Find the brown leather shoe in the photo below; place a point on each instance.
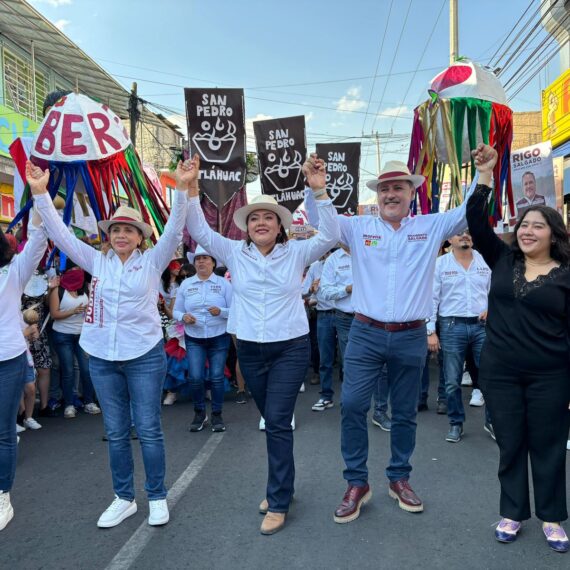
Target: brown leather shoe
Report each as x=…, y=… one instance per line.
x=272, y=522
x=352, y=501
x=263, y=507
x=404, y=494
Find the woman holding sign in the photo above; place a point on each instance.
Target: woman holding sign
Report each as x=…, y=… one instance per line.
x=268, y=317
x=123, y=336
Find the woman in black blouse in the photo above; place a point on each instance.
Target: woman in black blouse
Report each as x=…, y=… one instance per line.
x=525, y=363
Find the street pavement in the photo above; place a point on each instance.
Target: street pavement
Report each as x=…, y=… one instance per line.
x=217, y=481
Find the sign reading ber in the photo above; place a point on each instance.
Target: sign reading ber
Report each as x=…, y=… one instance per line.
x=78, y=128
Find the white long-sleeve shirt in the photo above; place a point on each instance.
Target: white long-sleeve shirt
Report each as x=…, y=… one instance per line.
x=121, y=320
x=393, y=269
x=315, y=272
x=13, y=279
x=195, y=296
x=459, y=292
x=337, y=274
x=267, y=305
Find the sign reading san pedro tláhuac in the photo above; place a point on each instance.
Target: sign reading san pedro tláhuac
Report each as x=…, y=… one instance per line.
x=343, y=167
x=281, y=149
x=216, y=131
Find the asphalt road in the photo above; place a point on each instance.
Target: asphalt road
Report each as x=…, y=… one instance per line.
x=63, y=484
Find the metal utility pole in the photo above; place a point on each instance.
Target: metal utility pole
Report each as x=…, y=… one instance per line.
x=134, y=113
x=453, y=32
x=377, y=137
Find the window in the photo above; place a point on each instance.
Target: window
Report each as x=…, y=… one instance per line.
x=18, y=86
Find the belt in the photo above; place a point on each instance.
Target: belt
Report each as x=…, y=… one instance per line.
x=344, y=313
x=325, y=311
x=390, y=327
x=465, y=320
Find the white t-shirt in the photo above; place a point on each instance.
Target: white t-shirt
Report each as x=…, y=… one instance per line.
x=74, y=323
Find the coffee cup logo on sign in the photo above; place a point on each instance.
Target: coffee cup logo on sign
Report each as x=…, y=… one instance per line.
x=285, y=174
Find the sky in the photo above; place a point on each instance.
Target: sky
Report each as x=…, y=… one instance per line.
x=352, y=68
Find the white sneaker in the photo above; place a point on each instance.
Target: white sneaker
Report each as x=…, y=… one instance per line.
x=69, y=412
x=19, y=428
x=30, y=423
x=117, y=512
x=293, y=423
x=262, y=424
x=302, y=388
x=158, y=512
x=477, y=399
x=6, y=510
x=466, y=379
x=92, y=409
x=169, y=399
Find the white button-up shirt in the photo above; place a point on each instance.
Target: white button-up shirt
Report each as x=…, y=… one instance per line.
x=195, y=296
x=337, y=274
x=121, y=320
x=267, y=305
x=13, y=279
x=393, y=269
x=459, y=292
x=315, y=272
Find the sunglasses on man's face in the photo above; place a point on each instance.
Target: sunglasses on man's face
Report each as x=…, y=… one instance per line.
x=465, y=233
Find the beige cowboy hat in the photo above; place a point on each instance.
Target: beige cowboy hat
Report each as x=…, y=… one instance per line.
x=126, y=215
x=395, y=170
x=262, y=202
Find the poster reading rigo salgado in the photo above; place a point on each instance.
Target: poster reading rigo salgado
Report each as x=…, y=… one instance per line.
x=343, y=167
x=532, y=174
x=216, y=131
x=281, y=149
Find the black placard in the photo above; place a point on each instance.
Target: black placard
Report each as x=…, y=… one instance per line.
x=343, y=173
x=216, y=131
x=281, y=149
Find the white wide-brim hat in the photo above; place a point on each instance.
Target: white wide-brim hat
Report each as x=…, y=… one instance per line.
x=199, y=251
x=395, y=170
x=126, y=215
x=262, y=202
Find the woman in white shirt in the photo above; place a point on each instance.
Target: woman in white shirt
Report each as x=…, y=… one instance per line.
x=202, y=304
x=268, y=317
x=123, y=337
x=67, y=304
x=15, y=272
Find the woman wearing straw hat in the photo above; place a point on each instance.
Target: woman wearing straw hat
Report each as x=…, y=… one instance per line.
x=268, y=317
x=202, y=304
x=123, y=336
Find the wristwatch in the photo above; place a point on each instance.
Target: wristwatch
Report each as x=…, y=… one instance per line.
x=429, y=333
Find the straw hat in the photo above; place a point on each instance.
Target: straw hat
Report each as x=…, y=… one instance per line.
x=126, y=215
x=199, y=251
x=395, y=170
x=262, y=202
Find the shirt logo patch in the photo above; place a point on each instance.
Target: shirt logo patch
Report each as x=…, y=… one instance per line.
x=417, y=237
x=371, y=240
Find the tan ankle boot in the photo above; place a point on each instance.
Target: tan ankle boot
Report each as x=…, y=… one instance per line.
x=263, y=506
x=272, y=523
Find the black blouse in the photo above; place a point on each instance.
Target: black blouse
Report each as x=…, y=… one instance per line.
x=529, y=321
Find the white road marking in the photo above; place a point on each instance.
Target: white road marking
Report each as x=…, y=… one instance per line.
x=132, y=549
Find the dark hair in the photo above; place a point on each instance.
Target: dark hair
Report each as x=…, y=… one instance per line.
x=52, y=98
x=165, y=278
x=6, y=250
x=281, y=236
x=186, y=271
x=560, y=247
x=529, y=173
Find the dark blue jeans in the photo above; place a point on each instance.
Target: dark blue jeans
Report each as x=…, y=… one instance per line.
x=12, y=377
x=369, y=349
x=424, y=391
x=343, y=322
x=66, y=346
x=326, y=336
x=381, y=392
x=274, y=372
x=456, y=337
x=133, y=386
x=215, y=351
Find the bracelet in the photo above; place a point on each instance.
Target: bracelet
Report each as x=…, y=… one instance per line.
x=319, y=193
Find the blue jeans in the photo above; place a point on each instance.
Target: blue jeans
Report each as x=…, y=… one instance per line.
x=326, y=337
x=66, y=346
x=12, y=377
x=215, y=351
x=424, y=392
x=369, y=349
x=343, y=322
x=133, y=386
x=274, y=372
x=381, y=392
x=456, y=336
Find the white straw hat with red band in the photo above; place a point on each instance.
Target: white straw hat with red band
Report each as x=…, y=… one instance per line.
x=395, y=170
x=126, y=215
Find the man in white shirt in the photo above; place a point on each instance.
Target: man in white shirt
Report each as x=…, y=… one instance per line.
x=460, y=288
x=393, y=262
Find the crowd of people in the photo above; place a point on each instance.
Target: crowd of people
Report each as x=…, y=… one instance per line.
x=134, y=327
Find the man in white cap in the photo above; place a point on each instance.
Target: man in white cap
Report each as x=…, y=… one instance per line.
x=393, y=262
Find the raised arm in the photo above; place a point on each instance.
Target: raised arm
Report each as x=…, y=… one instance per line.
x=27, y=261
x=80, y=253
